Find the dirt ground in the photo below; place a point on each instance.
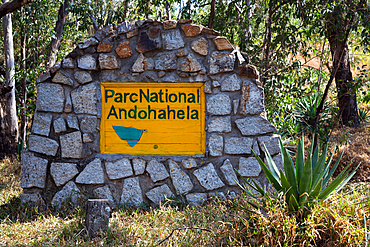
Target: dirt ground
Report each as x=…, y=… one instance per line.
x=356, y=145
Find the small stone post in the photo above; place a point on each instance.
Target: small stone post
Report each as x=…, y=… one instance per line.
x=97, y=216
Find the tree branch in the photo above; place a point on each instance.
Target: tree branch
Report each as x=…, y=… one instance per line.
x=55, y=43
x=9, y=7
x=320, y=108
x=93, y=19
x=168, y=12
x=320, y=71
x=285, y=38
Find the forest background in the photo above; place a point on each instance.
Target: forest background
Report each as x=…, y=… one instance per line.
x=312, y=56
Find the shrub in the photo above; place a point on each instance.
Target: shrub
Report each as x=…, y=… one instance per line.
x=306, y=181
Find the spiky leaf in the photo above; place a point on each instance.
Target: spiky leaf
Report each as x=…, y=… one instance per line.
x=259, y=189
x=306, y=180
x=244, y=188
x=271, y=163
x=316, y=191
x=327, y=177
x=345, y=181
x=289, y=169
x=315, y=156
x=319, y=168
x=300, y=159
x=273, y=180
x=293, y=204
x=287, y=188
x=332, y=186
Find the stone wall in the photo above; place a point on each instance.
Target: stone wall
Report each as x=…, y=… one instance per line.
x=64, y=160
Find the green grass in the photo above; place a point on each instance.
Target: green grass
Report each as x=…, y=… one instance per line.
x=339, y=221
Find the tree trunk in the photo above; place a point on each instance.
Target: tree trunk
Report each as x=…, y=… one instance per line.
x=7, y=142
x=266, y=49
x=147, y=9
x=11, y=125
x=55, y=43
x=346, y=92
x=168, y=12
x=125, y=10
x=23, y=130
x=211, y=14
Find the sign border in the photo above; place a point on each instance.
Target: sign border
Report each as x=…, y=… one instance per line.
x=199, y=85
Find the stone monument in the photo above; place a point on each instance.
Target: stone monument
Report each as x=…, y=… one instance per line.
x=144, y=111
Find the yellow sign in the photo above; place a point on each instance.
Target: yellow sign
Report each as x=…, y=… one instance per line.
x=152, y=118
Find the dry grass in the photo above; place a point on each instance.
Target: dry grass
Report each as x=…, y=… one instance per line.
x=9, y=180
x=356, y=145
x=339, y=221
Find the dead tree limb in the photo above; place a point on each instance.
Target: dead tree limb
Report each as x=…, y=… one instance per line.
x=9, y=7
x=55, y=43
x=93, y=20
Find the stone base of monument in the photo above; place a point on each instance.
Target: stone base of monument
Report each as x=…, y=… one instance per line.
x=97, y=216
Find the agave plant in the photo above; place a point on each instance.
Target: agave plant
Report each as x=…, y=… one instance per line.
x=305, y=113
x=364, y=115
x=306, y=181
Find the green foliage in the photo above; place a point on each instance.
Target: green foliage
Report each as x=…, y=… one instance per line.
x=115, y=12
x=291, y=104
x=282, y=93
x=280, y=36
x=305, y=182
x=363, y=82
x=305, y=112
x=364, y=115
x=104, y=12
